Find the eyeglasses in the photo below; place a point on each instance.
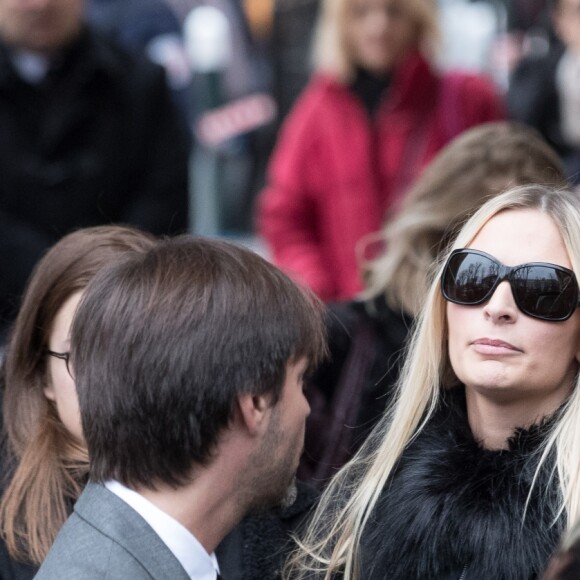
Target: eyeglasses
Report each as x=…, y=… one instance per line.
x=65, y=356
x=540, y=290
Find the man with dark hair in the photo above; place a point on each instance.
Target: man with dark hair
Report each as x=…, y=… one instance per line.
x=188, y=361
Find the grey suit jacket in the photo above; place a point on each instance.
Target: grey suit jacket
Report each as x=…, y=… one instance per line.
x=105, y=539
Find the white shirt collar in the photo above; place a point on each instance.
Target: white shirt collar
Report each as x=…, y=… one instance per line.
x=198, y=564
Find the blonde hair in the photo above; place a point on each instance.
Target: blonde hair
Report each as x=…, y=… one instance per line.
x=48, y=466
x=475, y=166
x=331, y=543
x=330, y=51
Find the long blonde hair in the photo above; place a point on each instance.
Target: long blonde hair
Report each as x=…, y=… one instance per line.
x=331, y=543
x=47, y=466
x=477, y=165
x=330, y=52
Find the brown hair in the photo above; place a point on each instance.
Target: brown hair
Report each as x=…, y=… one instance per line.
x=48, y=467
x=165, y=342
x=477, y=165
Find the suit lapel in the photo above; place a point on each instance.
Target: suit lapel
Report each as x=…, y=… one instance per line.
x=115, y=519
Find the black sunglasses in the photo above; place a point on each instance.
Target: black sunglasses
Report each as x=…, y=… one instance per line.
x=540, y=290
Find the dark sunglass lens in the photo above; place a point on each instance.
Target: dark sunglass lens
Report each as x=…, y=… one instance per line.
x=545, y=292
x=469, y=278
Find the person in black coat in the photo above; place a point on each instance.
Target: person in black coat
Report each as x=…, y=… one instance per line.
x=350, y=392
x=89, y=136
x=544, y=88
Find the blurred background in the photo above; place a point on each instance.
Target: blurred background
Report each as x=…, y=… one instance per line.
x=235, y=67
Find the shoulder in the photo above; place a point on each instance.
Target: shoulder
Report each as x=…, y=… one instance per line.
x=469, y=99
x=308, y=127
x=343, y=320
x=106, y=538
x=470, y=85
x=539, y=66
x=373, y=316
x=80, y=550
x=346, y=323
x=320, y=95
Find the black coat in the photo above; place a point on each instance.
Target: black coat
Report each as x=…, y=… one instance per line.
x=533, y=99
x=259, y=546
x=354, y=386
x=97, y=141
x=454, y=508
x=533, y=96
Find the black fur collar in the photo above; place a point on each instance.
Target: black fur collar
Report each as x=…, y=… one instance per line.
x=454, y=507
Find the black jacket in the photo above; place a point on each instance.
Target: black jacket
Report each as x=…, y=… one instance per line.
x=259, y=546
x=454, y=508
x=354, y=386
x=98, y=141
x=533, y=96
x=533, y=99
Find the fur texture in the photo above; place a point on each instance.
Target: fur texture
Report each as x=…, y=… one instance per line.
x=454, y=507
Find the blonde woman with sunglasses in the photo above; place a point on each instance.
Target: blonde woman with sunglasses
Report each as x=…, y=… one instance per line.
x=474, y=471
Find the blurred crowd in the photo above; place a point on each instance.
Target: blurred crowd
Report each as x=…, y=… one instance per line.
x=216, y=155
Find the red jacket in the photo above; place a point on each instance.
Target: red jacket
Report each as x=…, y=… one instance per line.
x=334, y=173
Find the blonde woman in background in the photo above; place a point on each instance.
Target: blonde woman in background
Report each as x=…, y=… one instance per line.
x=474, y=472
x=372, y=117
x=367, y=335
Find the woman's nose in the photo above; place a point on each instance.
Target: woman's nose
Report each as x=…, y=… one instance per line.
x=501, y=307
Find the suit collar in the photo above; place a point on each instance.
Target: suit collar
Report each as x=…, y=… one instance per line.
x=115, y=519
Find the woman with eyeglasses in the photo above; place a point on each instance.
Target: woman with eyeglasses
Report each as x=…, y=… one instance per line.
x=474, y=472
x=45, y=462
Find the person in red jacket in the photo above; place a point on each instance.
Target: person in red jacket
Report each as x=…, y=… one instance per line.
x=372, y=117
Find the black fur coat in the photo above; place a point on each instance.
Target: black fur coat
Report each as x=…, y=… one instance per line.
x=455, y=510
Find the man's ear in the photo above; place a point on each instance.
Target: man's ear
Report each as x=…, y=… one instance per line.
x=254, y=412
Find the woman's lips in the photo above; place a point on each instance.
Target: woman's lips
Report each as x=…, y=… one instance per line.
x=493, y=346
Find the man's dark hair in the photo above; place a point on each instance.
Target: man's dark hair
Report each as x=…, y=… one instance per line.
x=164, y=342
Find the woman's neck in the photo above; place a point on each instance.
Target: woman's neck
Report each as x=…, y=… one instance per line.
x=493, y=420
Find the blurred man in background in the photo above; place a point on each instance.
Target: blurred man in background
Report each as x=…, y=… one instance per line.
x=89, y=136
